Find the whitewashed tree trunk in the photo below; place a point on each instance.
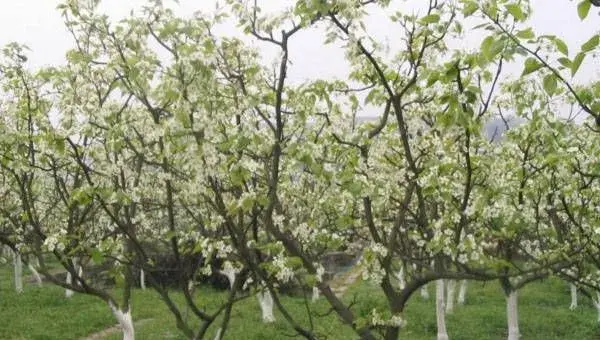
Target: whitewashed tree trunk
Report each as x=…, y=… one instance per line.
x=38, y=278
x=231, y=273
x=400, y=278
x=265, y=300
x=218, y=335
x=512, y=316
x=451, y=292
x=18, y=271
x=315, y=294
x=462, y=293
x=69, y=279
x=442, y=333
x=125, y=321
x=424, y=293
x=573, y=297
x=596, y=302
x=142, y=279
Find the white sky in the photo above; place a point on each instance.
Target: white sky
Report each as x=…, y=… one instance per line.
x=38, y=24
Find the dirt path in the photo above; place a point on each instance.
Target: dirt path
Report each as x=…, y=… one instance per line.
x=112, y=330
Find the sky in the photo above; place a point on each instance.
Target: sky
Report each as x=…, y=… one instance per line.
x=39, y=25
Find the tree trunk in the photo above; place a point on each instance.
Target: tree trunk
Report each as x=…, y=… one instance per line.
x=231, y=273
x=424, y=292
x=573, y=297
x=596, y=302
x=142, y=279
x=69, y=279
x=442, y=333
x=451, y=292
x=512, y=315
x=400, y=278
x=125, y=321
x=315, y=294
x=462, y=293
x=38, y=278
x=18, y=270
x=218, y=335
x=265, y=301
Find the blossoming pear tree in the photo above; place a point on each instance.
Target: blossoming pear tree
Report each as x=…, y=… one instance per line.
x=159, y=137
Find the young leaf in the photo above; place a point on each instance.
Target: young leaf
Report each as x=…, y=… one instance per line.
x=516, y=11
x=566, y=62
x=470, y=8
x=526, y=34
x=430, y=19
x=591, y=44
x=561, y=46
x=531, y=65
x=577, y=63
x=583, y=9
x=550, y=84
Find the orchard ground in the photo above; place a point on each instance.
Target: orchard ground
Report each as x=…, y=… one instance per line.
x=45, y=313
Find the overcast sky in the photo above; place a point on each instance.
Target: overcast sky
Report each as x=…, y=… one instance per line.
x=38, y=24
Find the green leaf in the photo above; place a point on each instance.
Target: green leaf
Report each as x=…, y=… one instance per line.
x=531, y=65
x=561, y=46
x=526, y=34
x=430, y=19
x=470, y=8
x=516, y=11
x=491, y=47
x=576, y=63
x=550, y=84
x=591, y=44
x=566, y=62
x=583, y=9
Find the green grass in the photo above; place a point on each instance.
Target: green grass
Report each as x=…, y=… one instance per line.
x=44, y=313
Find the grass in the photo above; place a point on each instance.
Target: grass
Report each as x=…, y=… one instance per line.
x=44, y=313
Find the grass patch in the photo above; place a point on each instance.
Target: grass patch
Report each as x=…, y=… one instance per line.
x=45, y=313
